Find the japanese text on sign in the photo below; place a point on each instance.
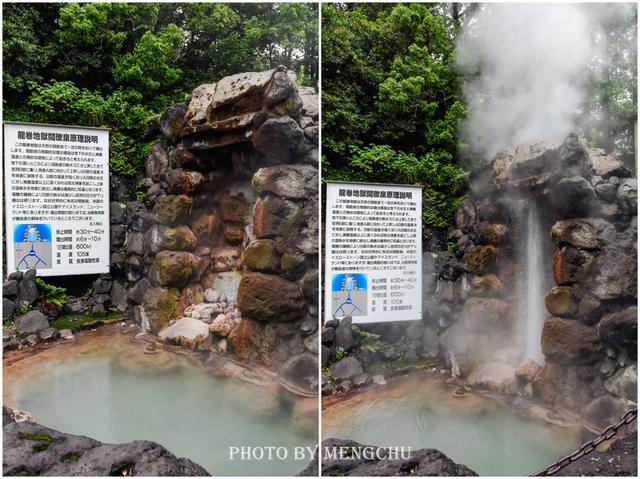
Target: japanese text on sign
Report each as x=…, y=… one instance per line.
x=57, y=198
x=373, y=258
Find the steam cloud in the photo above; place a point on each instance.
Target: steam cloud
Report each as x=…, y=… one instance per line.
x=533, y=69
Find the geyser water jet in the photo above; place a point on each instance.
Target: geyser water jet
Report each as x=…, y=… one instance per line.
x=534, y=271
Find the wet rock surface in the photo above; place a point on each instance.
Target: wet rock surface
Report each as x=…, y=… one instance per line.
x=421, y=462
x=621, y=459
x=34, y=450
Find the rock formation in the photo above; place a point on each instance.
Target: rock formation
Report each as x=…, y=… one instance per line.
x=33, y=450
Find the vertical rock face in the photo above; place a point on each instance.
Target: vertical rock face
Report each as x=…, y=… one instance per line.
x=231, y=220
x=590, y=203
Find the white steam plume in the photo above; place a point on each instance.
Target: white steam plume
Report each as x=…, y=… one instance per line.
x=533, y=65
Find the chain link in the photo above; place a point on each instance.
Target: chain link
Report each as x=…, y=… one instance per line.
x=590, y=446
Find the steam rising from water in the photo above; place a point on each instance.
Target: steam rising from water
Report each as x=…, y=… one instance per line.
x=530, y=63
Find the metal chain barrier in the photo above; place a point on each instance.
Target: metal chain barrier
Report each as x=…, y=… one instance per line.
x=590, y=446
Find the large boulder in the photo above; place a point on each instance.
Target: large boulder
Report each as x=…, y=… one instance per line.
x=172, y=210
x=295, y=182
x=587, y=233
x=621, y=330
x=571, y=265
x=33, y=450
x=479, y=259
x=301, y=371
x=566, y=341
x=624, y=383
x=172, y=122
x=346, y=368
x=31, y=323
x=484, y=311
x=157, y=162
x=572, y=197
x=377, y=461
x=627, y=196
x=188, y=332
x=494, y=376
x=261, y=255
x=160, y=237
x=560, y=301
x=160, y=306
x=274, y=216
x=605, y=166
x=270, y=298
x=174, y=268
x=615, y=273
x=279, y=140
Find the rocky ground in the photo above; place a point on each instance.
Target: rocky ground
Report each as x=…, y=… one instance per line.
x=621, y=459
x=34, y=450
x=421, y=462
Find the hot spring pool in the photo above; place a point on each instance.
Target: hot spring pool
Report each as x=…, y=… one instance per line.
x=107, y=389
x=475, y=431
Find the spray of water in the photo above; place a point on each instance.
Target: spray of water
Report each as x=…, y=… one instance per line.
x=534, y=308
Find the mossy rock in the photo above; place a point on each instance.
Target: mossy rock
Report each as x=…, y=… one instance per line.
x=560, y=301
x=172, y=210
x=480, y=259
x=486, y=285
x=174, y=268
x=161, y=305
x=261, y=255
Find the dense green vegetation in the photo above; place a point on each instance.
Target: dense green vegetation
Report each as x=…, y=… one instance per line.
x=392, y=97
x=119, y=65
x=391, y=100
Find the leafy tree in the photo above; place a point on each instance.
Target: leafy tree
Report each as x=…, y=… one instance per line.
x=391, y=100
x=119, y=65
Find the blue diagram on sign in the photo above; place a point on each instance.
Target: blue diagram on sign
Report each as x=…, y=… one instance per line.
x=349, y=294
x=32, y=246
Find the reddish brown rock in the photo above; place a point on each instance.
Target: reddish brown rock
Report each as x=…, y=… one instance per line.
x=191, y=294
x=566, y=341
x=233, y=207
x=528, y=370
x=233, y=232
x=484, y=310
x=487, y=285
x=274, y=216
x=205, y=225
x=548, y=384
x=184, y=181
x=270, y=298
x=571, y=265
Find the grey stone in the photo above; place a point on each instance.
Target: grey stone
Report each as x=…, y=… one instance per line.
x=137, y=292
x=627, y=196
x=118, y=297
x=117, y=212
x=102, y=286
x=27, y=291
x=361, y=380
x=143, y=458
x=288, y=181
x=66, y=334
x=311, y=343
x=344, y=386
x=8, y=308
x=325, y=355
x=29, y=275
x=32, y=339
x=16, y=275
x=10, y=288
x=572, y=197
x=302, y=371
x=421, y=462
x=172, y=122
x=49, y=334
x=157, y=162
x=135, y=244
x=624, y=383
x=211, y=295
x=379, y=379
x=606, y=191
x=118, y=235
x=344, y=335
x=279, y=140
x=31, y=322
x=346, y=368
x=8, y=333
x=310, y=102
x=430, y=343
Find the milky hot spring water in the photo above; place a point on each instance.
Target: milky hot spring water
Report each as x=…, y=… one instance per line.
x=108, y=389
x=479, y=432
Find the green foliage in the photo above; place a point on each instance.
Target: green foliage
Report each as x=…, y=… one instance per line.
x=24, y=309
x=392, y=101
x=440, y=178
x=340, y=354
x=75, y=322
x=52, y=294
x=368, y=341
x=120, y=65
